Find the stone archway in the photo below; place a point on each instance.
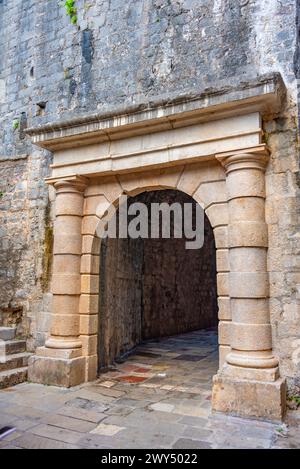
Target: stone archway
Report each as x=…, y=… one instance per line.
x=238, y=194
x=221, y=164
x=205, y=183
x=155, y=288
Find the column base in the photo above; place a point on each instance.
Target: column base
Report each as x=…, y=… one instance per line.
x=63, y=372
x=249, y=398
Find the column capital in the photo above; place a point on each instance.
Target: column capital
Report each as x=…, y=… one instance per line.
x=73, y=183
x=248, y=158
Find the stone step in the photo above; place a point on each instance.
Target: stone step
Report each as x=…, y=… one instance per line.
x=7, y=333
x=10, y=378
x=11, y=347
x=10, y=362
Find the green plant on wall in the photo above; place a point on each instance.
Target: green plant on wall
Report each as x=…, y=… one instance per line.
x=71, y=10
x=295, y=399
x=15, y=124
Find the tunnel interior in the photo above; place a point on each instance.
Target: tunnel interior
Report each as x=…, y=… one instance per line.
x=154, y=288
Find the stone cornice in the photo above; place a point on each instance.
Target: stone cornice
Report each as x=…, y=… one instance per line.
x=265, y=95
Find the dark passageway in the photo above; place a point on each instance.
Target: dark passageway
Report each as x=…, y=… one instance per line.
x=152, y=288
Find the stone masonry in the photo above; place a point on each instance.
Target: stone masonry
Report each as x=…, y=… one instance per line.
x=125, y=56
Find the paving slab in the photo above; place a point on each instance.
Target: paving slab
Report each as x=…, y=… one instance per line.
x=82, y=414
x=86, y=404
x=107, y=430
x=25, y=411
x=69, y=423
x=24, y=424
x=29, y=441
x=197, y=433
x=55, y=433
x=185, y=443
x=162, y=407
x=6, y=419
x=194, y=421
x=10, y=447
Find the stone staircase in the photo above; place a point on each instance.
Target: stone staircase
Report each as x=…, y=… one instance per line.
x=13, y=358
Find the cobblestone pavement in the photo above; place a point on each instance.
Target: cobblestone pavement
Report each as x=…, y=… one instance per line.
x=158, y=398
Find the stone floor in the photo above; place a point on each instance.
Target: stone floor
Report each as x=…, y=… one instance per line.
x=158, y=398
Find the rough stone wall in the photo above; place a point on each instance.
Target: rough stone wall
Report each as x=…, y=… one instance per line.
x=154, y=288
x=125, y=53
x=179, y=285
x=13, y=226
x=25, y=246
x=282, y=204
x=120, y=304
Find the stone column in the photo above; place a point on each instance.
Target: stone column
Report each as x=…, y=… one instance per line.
x=249, y=383
x=60, y=362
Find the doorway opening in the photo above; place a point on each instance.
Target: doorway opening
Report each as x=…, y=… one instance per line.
x=156, y=291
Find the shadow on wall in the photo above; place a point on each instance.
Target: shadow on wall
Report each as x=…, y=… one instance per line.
x=11, y=317
x=154, y=287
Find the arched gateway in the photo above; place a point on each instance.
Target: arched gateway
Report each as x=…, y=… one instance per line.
x=157, y=283
x=209, y=148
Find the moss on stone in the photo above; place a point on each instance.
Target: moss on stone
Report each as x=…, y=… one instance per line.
x=48, y=250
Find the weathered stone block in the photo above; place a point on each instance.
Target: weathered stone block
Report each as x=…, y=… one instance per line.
x=56, y=372
x=7, y=333
x=256, y=399
x=225, y=332
x=88, y=324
